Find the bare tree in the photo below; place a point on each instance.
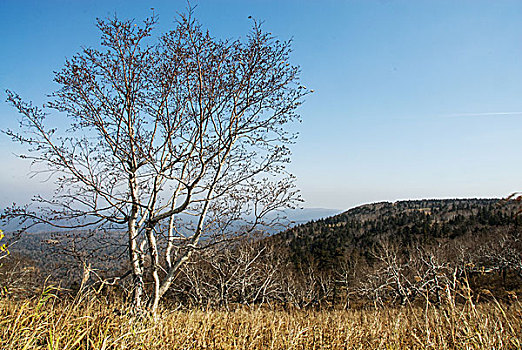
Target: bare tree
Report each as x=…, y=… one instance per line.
x=352, y=268
x=431, y=271
x=390, y=279
x=500, y=251
x=229, y=274
x=178, y=140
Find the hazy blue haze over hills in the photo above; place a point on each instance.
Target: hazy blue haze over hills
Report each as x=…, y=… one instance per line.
x=296, y=216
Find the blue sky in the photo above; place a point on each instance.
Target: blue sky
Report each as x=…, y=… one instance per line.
x=413, y=99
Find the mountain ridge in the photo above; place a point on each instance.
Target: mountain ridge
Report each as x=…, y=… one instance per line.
x=406, y=222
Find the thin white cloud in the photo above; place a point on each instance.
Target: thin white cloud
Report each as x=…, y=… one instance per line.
x=487, y=114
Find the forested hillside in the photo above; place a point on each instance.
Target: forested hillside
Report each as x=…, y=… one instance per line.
x=406, y=223
x=377, y=253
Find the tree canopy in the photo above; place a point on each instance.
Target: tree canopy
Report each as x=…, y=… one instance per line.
x=185, y=124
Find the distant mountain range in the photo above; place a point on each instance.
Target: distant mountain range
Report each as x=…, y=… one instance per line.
x=301, y=216
x=41, y=242
x=294, y=216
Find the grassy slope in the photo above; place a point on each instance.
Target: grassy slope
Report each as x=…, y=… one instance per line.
x=49, y=323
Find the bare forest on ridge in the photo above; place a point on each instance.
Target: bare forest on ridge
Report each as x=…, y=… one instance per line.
x=376, y=254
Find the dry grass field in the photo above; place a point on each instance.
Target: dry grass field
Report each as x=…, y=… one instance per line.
x=47, y=322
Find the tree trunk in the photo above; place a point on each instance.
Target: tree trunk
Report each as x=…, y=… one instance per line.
x=137, y=269
x=153, y=252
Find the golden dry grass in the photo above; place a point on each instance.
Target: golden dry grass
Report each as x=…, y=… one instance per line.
x=48, y=323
